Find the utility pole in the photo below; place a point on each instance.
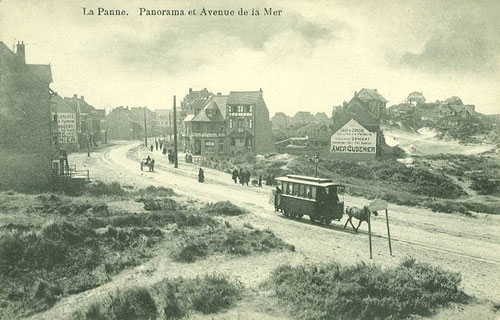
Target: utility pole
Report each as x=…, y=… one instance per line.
x=145, y=129
x=175, y=136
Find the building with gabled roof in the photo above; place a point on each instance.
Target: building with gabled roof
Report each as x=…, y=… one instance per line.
x=248, y=127
x=28, y=139
x=280, y=120
x=371, y=100
x=205, y=131
x=302, y=117
x=220, y=125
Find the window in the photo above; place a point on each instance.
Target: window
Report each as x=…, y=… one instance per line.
x=289, y=188
x=240, y=109
x=313, y=192
x=230, y=123
x=308, y=192
x=241, y=123
x=230, y=109
x=301, y=190
x=232, y=142
x=295, y=189
x=250, y=123
x=221, y=146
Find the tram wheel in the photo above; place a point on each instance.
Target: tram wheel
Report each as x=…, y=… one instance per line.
x=326, y=221
x=286, y=213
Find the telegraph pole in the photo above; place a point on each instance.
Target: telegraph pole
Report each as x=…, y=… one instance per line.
x=145, y=129
x=175, y=136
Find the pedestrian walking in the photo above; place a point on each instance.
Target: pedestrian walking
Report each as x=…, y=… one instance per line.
x=164, y=150
x=151, y=148
x=247, y=177
x=152, y=165
x=260, y=181
x=235, y=175
x=201, y=175
x=156, y=145
x=241, y=175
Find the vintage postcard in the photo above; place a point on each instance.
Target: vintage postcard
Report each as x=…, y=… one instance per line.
x=261, y=159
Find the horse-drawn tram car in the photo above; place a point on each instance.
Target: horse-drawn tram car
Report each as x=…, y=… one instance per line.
x=318, y=198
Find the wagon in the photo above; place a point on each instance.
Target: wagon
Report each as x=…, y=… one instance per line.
x=318, y=198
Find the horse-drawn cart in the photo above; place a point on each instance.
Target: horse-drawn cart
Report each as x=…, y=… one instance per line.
x=150, y=163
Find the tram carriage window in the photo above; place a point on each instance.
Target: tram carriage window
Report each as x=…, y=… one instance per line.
x=301, y=190
x=327, y=190
x=289, y=188
x=313, y=192
x=295, y=189
x=308, y=192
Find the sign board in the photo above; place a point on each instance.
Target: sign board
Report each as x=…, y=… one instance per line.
x=353, y=138
x=208, y=135
x=209, y=144
x=66, y=124
x=377, y=205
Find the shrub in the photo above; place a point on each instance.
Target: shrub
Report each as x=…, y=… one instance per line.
x=208, y=294
x=105, y=189
x=130, y=304
x=224, y=208
x=202, y=242
x=363, y=291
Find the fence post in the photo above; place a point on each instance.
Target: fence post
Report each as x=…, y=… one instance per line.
x=370, y=233
x=388, y=231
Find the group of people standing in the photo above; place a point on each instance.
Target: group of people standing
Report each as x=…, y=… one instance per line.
x=244, y=177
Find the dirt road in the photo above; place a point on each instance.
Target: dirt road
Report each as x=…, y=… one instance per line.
x=468, y=245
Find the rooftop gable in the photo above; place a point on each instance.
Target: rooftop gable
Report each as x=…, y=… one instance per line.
x=244, y=97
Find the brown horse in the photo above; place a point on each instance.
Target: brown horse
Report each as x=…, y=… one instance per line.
x=360, y=214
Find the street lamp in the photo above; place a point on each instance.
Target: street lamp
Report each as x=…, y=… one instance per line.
x=88, y=144
x=316, y=161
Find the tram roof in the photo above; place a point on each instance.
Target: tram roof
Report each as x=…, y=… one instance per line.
x=312, y=181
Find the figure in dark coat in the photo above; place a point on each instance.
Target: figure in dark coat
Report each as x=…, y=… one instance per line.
x=151, y=148
x=260, y=180
x=164, y=150
x=241, y=175
x=235, y=175
x=201, y=175
x=156, y=145
x=152, y=166
x=247, y=177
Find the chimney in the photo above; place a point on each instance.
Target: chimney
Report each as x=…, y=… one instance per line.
x=81, y=97
x=75, y=96
x=375, y=90
x=190, y=90
x=21, y=53
x=355, y=93
x=219, y=93
x=260, y=89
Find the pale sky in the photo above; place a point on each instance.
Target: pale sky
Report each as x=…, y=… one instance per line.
x=313, y=56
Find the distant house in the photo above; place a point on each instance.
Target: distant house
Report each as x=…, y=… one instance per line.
x=302, y=117
x=321, y=117
x=369, y=99
x=248, y=126
x=399, y=110
x=28, y=133
x=194, y=101
x=205, y=131
x=280, y=120
x=122, y=124
x=90, y=122
x=227, y=124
